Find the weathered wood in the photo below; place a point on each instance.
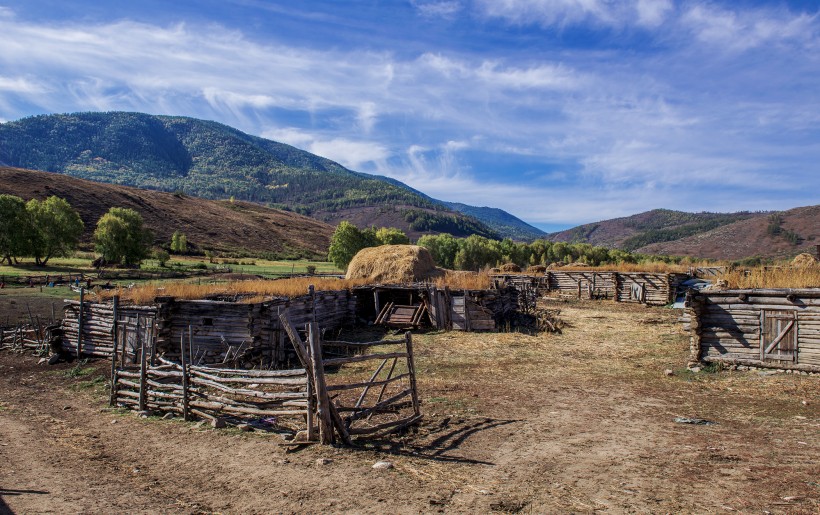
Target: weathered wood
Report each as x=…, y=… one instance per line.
x=412, y=372
x=366, y=384
x=404, y=422
x=363, y=357
x=143, y=369
x=322, y=399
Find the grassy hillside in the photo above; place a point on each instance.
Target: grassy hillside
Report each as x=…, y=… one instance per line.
x=210, y=160
x=772, y=235
x=659, y=225
x=220, y=226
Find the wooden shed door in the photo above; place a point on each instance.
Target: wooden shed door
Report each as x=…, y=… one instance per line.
x=459, y=314
x=778, y=335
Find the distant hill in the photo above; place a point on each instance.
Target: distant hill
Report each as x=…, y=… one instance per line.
x=220, y=226
x=211, y=160
x=659, y=225
x=772, y=235
x=500, y=221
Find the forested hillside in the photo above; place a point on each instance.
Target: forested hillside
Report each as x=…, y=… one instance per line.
x=214, y=161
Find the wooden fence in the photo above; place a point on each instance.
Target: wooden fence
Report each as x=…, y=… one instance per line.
x=641, y=287
x=25, y=337
x=358, y=400
x=330, y=398
x=757, y=327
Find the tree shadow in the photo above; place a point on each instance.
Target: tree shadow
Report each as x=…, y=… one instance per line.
x=7, y=492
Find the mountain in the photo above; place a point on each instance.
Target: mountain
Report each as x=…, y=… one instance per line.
x=211, y=160
x=659, y=225
x=500, y=221
x=216, y=225
x=773, y=235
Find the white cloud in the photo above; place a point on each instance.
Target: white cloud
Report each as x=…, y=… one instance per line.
x=652, y=13
x=350, y=153
x=744, y=29
x=437, y=9
x=21, y=85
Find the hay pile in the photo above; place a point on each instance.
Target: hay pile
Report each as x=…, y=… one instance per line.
x=804, y=260
x=510, y=267
x=393, y=264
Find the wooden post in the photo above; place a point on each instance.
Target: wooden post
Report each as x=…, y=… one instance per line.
x=376, y=301
x=114, y=336
x=185, y=409
x=143, y=368
x=322, y=399
x=80, y=321
x=411, y=367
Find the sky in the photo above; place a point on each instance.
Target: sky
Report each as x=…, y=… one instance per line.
x=561, y=112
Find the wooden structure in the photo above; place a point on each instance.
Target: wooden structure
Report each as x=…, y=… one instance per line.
x=365, y=402
x=656, y=289
x=758, y=327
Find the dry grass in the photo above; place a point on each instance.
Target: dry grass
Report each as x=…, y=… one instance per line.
x=464, y=280
x=786, y=277
x=653, y=267
x=248, y=291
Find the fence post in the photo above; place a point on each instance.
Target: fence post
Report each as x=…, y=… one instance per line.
x=411, y=367
x=322, y=400
x=143, y=367
x=115, y=335
x=185, y=414
x=80, y=323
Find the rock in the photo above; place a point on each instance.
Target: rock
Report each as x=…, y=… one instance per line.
x=143, y=414
x=383, y=465
x=42, y=360
x=300, y=436
x=695, y=370
x=324, y=461
x=245, y=427
x=115, y=421
x=218, y=423
x=168, y=416
x=53, y=359
x=669, y=372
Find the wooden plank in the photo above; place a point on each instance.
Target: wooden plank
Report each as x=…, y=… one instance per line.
x=363, y=357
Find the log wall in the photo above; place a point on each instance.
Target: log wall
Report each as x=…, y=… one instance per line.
x=647, y=288
x=742, y=326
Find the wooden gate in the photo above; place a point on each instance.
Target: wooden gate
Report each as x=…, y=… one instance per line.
x=778, y=335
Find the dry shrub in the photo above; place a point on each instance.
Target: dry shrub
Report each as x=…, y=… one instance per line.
x=458, y=280
x=786, y=277
x=804, y=260
x=393, y=264
x=537, y=269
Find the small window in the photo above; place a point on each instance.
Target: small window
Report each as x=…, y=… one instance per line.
x=208, y=321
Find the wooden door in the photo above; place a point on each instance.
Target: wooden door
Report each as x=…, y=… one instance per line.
x=778, y=335
x=458, y=314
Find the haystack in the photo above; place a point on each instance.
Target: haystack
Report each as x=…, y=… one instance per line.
x=536, y=269
x=804, y=260
x=510, y=267
x=393, y=264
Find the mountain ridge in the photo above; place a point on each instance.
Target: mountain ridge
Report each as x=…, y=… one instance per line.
x=213, y=160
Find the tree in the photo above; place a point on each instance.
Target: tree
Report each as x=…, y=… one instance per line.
x=391, y=236
x=179, y=243
x=346, y=241
x=15, y=226
x=56, y=228
x=476, y=252
x=443, y=248
x=121, y=238
x=162, y=257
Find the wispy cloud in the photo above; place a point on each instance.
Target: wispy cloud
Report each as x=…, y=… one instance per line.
x=715, y=99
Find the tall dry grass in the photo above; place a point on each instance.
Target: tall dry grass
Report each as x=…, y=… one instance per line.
x=260, y=290
x=247, y=291
x=784, y=277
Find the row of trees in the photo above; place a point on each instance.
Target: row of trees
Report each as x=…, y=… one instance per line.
x=476, y=252
x=52, y=228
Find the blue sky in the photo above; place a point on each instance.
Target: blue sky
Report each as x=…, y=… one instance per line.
x=561, y=112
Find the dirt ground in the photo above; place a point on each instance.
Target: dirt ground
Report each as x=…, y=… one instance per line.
x=573, y=423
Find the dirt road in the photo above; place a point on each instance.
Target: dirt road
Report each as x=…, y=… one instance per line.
x=578, y=422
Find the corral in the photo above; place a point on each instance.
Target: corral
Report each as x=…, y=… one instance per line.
x=771, y=328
